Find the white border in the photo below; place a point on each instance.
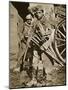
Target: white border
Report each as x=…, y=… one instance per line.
x=4, y=42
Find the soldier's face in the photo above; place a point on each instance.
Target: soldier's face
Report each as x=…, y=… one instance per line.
x=39, y=15
x=29, y=21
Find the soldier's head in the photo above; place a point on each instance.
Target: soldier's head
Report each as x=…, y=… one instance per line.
x=29, y=19
x=39, y=12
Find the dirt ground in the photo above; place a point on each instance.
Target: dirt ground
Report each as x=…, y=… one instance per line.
x=54, y=78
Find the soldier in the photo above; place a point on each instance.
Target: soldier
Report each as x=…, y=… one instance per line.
x=43, y=30
x=25, y=58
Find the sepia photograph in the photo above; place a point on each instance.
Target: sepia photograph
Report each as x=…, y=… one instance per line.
x=37, y=44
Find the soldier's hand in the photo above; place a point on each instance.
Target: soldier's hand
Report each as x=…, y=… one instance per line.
x=41, y=48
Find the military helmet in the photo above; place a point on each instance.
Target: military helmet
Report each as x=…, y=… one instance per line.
x=28, y=17
x=38, y=8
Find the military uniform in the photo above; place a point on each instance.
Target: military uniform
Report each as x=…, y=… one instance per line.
x=43, y=28
x=27, y=30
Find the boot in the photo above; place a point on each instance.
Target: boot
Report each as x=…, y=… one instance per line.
x=33, y=82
